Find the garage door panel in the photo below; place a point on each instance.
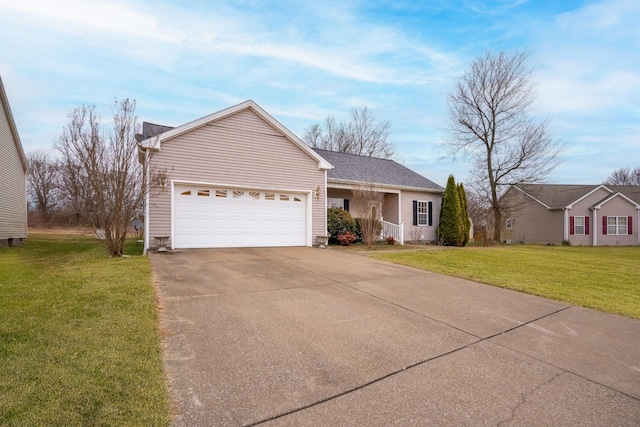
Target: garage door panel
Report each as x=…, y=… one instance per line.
x=218, y=217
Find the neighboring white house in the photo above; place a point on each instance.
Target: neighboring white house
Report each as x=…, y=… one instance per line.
x=13, y=178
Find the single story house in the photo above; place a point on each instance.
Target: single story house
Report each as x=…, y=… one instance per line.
x=13, y=178
x=239, y=178
x=412, y=202
x=589, y=215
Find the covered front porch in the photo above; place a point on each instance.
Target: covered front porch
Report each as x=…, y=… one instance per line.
x=341, y=196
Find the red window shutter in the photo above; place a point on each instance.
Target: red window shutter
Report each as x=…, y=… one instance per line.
x=604, y=225
x=586, y=225
x=571, y=225
x=629, y=226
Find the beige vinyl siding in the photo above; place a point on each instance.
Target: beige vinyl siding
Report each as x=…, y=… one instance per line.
x=390, y=208
x=583, y=208
x=241, y=150
x=13, y=197
x=618, y=206
x=531, y=222
x=427, y=233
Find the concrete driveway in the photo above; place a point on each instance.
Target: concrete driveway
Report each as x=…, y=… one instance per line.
x=311, y=337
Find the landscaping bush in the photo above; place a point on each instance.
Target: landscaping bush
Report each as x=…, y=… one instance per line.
x=346, y=238
x=358, y=231
x=339, y=221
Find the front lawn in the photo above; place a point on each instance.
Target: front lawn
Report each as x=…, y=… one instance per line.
x=604, y=278
x=79, y=339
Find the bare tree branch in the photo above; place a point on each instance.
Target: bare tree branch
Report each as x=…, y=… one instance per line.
x=489, y=124
x=624, y=176
x=362, y=135
x=101, y=174
x=43, y=184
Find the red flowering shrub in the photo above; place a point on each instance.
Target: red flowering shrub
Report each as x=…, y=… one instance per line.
x=346, y=238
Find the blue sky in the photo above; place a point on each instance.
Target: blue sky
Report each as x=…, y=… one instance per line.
x=302, y=61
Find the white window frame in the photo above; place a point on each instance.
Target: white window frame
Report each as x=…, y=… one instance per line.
x=422, y=217
x=576, y=225
x=509, y=224
x=617, y=226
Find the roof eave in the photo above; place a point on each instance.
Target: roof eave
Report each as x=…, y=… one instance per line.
x=13, y=127
x=382, y=185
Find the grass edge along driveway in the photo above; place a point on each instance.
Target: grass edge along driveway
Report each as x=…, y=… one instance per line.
x=603, y=278
x=79, y=338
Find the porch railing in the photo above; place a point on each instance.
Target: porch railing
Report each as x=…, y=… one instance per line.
x=390, y=229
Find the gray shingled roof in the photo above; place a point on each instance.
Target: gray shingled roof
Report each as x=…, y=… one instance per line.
x=151, y=129
x=354, y=168
x=557, y=196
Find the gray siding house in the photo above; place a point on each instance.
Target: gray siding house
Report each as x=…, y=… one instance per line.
x=13, y=178
x=589, y=215
x=239, y=178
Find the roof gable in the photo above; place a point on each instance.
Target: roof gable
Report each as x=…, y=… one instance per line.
x=352, y=168
x=12, y=125
x=610, y=197
x=155, y=142
x=555, y=196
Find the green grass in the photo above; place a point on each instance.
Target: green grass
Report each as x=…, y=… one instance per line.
x=79, y=339
x=604, y=278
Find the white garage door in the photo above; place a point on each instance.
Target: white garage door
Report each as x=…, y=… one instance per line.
x=211, y=217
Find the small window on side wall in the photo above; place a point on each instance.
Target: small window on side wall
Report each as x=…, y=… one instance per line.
x=509, y=224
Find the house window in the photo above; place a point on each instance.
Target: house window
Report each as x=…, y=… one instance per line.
x=578, y=225
x=509, y=224
x=617, y=225
x=333, y=202
x=423, y=212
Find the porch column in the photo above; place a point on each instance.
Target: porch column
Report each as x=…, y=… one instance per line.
x=594, y=226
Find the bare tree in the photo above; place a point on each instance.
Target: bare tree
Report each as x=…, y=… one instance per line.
x=624, y=176
x=43, y=184
x=491, y=126
x=102, y=176
x=368, y=201
x=362, y=135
